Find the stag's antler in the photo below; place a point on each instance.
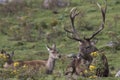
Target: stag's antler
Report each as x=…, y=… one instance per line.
x=75, y=36
x=103, y=11
x=74, y=13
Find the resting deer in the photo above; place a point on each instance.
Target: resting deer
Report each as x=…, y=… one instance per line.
x=48, y=64
x=75, y=66
x=86, y=44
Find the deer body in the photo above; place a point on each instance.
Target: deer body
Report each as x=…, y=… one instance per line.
x=87, y=46
x=76, y=67
x=36, y=64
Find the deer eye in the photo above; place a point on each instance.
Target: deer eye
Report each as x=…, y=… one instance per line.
x=87, y=47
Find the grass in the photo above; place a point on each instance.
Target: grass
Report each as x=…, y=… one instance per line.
x=36, y=50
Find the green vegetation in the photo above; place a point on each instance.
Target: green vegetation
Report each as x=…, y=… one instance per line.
x=28, y=27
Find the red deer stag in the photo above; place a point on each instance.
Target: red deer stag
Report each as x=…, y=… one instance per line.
x=36, y=64
x=86, y=44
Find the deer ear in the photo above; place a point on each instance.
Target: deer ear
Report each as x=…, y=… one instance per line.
x=48, y=48
x=93, y=42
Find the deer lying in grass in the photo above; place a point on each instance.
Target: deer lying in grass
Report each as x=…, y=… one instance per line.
x=86, y=44
x=37, y=64
x=75, y=66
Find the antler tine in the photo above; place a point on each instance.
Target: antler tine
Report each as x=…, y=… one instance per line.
x=73, y=37
x=72, y=17
x=103, y=11
x=67, y=30
x=73, y=14
x=73, y=31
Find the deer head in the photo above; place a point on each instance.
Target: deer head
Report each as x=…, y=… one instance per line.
x=3, y=51
x=86, y=43
x=53, y=53
x=9, y=57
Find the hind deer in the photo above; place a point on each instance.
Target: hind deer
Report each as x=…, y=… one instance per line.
x=86, y=44
x=37, y=64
